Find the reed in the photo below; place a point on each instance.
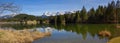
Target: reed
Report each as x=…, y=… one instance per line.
x=20, y=36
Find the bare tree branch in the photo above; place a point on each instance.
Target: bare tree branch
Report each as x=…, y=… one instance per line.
x=9, y=7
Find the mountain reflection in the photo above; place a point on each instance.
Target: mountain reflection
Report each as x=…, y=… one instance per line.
x=69, y=33
x=64, y=36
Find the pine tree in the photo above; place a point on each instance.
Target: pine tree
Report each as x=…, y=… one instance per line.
x=118, y=10
x=77, y=17
x=91, y=14
x=83, y=14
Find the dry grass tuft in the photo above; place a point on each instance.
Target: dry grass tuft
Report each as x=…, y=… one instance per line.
x=19, y=36
x=105, y=33
x=114, y=40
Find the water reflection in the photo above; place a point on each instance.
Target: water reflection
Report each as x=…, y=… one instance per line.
x=70, y=36
x=19, y=26
x=63, y=36
x=78, y=33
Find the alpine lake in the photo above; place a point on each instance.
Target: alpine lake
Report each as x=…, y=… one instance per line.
x=70, y=33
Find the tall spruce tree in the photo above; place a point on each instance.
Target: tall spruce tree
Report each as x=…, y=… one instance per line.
x=83, y=15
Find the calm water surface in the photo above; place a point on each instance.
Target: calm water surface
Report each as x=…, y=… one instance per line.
x=79, y=33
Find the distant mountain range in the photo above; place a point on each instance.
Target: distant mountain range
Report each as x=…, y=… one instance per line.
x=7, y=16
x=46, y=14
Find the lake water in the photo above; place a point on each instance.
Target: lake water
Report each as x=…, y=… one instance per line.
x=72, y=33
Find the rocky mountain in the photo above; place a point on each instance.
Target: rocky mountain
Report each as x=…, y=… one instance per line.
x=46, y=14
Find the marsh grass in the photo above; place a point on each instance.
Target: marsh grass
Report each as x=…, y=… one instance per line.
x=20, y=36
x=115, y=40
x=104, y=33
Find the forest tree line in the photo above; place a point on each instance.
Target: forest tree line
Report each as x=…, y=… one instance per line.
x=103, y=14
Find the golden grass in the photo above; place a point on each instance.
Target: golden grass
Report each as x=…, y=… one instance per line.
x=105, y=33
x=32, y=22
x=115, y=40
x=19, y=36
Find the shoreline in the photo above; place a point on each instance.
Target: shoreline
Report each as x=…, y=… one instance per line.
x=114, y=40
x=20, y=36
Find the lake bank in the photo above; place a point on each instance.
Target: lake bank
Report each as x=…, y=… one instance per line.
x=9, y=22
x=19, y=22
x=115, y=40
x=20, y=36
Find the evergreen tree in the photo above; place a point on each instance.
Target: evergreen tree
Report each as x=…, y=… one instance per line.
x=91, y=14
x=110, y=13
x=83, y=14
x=118, y=10
x=77, y=17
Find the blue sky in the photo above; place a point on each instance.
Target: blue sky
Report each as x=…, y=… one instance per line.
x=38, y=7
